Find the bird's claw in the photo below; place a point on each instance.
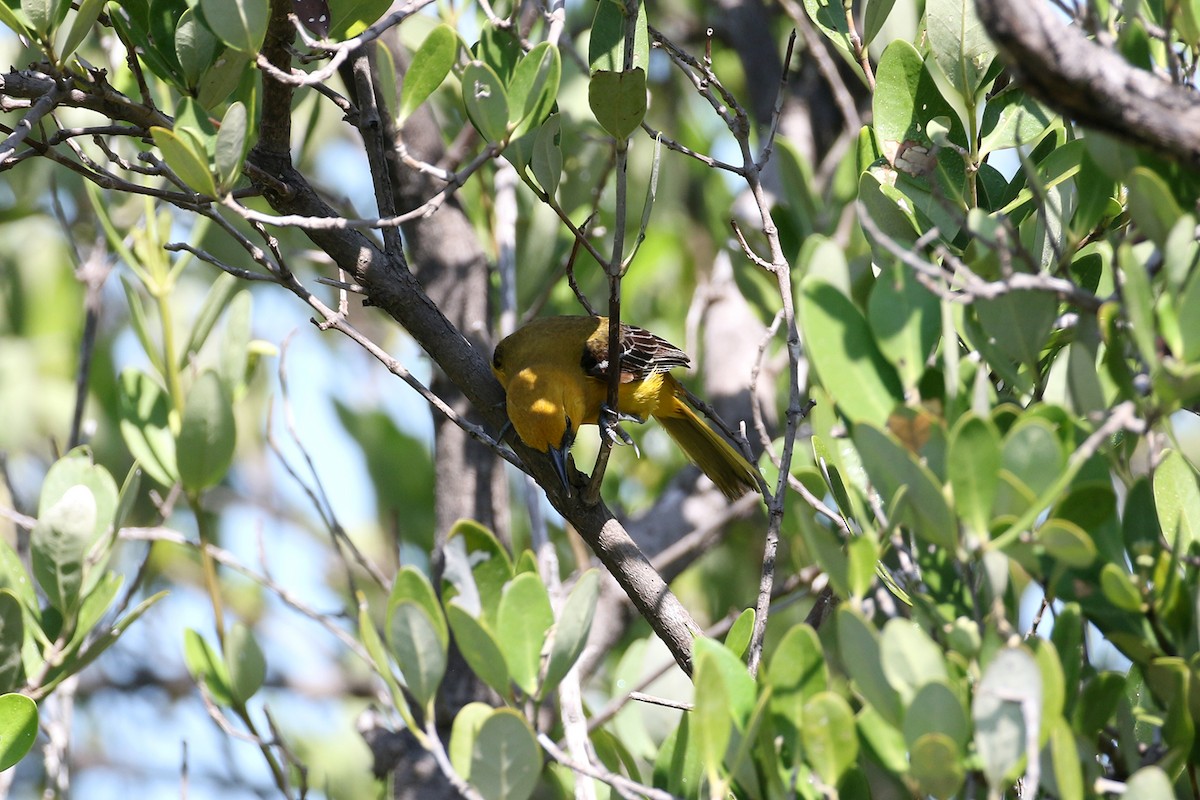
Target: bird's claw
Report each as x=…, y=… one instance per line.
x=611, y=429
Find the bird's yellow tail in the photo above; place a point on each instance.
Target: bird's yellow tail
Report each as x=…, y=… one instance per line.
x=724, y=465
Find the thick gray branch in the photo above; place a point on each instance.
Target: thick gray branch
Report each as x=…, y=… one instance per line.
x=1091, y=83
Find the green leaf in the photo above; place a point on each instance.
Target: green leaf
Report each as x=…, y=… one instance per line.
x=1152, y=205
x=186, y=162
x=207, y=434
x=486, y=102
x=222, y=78
x=710, y=714
x=1019, y=323
x=411, y=584
x=910, y=658
x=960, y=45
x=144, y=410
x=892, y=468
x=195, y=47
x=606, y=43
x=59, y=544
x=76, y=468
x=479, y=648
x=1006, y=701
x=231, y=145
x=85, y=18
x=1177, y=499
x=215, y=303
x=937, y=766
x=874, y=17
x=906, y=320
x=1014, y=119
x=1118, y=588
x=571, y=630
x=973, y=464
x=45, y=15
x=795, y=673
x=206, y=667
x=935, y=708
x=525, y=618
x=843, y=352
x=237, y=350
x=351, y=17
x=505, y=759
x=18, y=728
x=430, y=66
x=738, y=638
x=14, y=20
x=137, y=311
x=1066, y=771
x=830, y=17
x=476, y=571
x=618, y=100
x=1139, y=301
x=546, y=162
x=414, y=639
x=1188, y=312
x=466, y=727
x=14, y=577
x=858, y=644
x=12, y=638
x=1149, y=783
x=1067, y=543
x=534, y=87
x=830, y=741
x=739, y=685
x=241, y=24
x=369, y=637
x=244, y=663
x=1033, y=454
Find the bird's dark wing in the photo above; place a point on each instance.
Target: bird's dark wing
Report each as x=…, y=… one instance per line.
x=642, y=354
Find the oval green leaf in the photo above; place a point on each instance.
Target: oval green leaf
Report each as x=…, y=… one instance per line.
x=430, y=66
x=144, y=409
x=618, y=100
x=505, y=759
x=207, y=434
x=479, y=648
x=241, y=24
x=18, y=728
x=244, y=663
x=571, y=630
x=525, y=618
x=185, y=161
x=414, y=641
x=485, y=101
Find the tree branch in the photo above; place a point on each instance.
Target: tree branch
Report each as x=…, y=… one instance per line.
x=1091, y=83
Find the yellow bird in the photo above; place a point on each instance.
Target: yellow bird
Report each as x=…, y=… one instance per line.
x=555, y=376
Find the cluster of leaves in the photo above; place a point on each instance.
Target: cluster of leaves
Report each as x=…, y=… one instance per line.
x=48, y=636
x=504, y=624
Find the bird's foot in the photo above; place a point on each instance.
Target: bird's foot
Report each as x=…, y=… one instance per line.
x=610, y=427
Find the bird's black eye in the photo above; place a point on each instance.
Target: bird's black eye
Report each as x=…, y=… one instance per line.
x=496, y=359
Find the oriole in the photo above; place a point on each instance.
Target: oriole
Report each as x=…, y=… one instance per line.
x=555, y=376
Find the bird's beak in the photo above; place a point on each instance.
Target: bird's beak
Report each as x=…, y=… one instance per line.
x=558, y=456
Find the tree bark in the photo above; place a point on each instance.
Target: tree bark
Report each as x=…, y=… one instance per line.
x=1090, y=83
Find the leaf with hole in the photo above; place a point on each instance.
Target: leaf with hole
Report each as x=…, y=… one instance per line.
x=486, y=101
